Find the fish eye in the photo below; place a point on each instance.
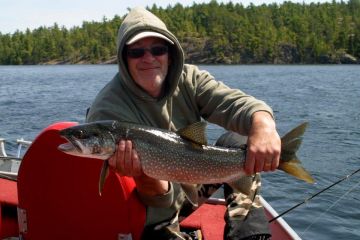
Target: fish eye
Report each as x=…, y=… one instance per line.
x=80, y=134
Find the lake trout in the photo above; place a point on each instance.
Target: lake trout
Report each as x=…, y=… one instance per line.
x=183, y=156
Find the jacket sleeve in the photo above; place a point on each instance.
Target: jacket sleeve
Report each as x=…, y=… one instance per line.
x=159, y=201
x=222, y=105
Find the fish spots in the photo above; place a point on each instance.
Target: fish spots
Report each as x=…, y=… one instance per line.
x=164, y=154
x=169, y=136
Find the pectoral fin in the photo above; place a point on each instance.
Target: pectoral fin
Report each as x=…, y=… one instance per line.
x=191, y=193
x=103, y=175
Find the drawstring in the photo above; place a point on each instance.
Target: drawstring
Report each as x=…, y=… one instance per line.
x=169, y=107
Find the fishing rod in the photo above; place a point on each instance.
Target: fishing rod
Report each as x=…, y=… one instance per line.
x=316, y=194
x=332, y=205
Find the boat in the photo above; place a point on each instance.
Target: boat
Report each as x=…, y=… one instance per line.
x=47, y=194
x=9, y=165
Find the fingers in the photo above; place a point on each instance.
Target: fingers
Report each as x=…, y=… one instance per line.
x=250, y=162
x=267, y=165
x=276, y=160
x=136, y=164
x=264, y=144
x=126, y=161
x=120, y=158
x=262, y=158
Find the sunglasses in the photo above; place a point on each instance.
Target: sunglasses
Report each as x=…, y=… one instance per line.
x=140, y=52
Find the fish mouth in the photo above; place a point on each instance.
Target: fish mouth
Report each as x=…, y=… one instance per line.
x=67, y=147
x=70, y=146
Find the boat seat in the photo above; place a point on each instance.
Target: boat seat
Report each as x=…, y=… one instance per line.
x=59, y=199
x=8, y=206
x=209, y=218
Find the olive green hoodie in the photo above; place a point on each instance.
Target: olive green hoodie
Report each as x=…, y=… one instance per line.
x=190, y=95
x=122, y=98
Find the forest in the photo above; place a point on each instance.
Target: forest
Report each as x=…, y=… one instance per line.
x=210, y=33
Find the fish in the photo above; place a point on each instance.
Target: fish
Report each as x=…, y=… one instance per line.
x=183, y=156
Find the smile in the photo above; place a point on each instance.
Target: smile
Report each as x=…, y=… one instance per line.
x=148, y=68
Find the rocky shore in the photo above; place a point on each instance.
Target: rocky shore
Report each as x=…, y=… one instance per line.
x=200, y=51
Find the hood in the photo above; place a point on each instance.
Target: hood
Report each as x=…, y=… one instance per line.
x=139, y=20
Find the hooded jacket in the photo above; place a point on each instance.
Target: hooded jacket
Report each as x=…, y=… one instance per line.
x=190, y=95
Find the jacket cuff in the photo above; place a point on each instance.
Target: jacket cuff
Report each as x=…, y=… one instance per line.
x=254, y=110
x=159, y=201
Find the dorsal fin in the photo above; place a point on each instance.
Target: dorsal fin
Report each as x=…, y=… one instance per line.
x=194, y=132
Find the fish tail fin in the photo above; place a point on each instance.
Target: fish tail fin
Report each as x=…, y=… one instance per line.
x=103, y=175
x=289, y=162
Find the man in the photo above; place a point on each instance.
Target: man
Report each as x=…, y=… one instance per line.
x=154, y=87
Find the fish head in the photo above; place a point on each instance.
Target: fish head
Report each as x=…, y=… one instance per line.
x=88, y=140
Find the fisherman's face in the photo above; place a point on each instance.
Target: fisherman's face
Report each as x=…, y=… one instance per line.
x=149, y=70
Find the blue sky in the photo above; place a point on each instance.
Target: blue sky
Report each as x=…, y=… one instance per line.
x=23, y=14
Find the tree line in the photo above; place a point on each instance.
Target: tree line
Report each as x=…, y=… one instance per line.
x=211, y=32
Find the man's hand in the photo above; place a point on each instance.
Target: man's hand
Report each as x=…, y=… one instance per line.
x=126, y=162
x=264, y=144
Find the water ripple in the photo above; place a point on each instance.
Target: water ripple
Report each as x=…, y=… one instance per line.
x=33, y=97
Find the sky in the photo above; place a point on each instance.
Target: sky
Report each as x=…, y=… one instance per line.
x=23, y=14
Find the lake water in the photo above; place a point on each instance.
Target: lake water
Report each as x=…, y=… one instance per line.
x=328, y=97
